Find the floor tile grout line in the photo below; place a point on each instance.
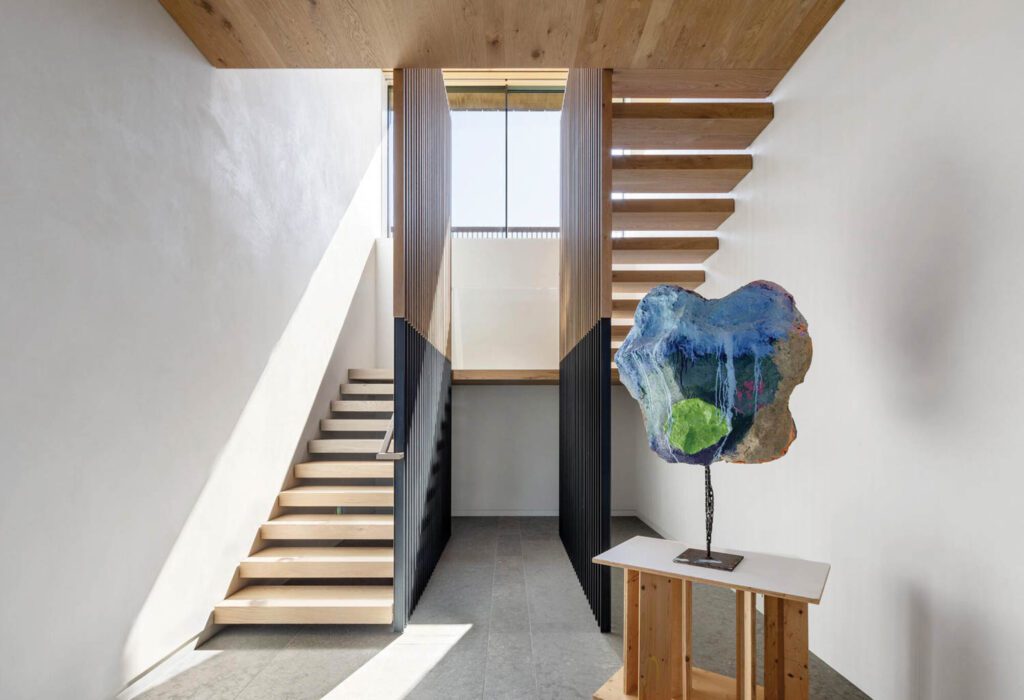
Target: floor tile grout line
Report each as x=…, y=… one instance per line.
x=490, y=610
x=529, y=617
x=267, y=665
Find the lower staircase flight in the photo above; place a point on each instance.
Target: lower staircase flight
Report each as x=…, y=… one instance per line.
x=326, y=555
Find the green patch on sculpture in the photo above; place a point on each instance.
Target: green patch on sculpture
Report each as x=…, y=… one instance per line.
x=695, y=425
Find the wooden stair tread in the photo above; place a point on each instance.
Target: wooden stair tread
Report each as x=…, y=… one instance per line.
x=350, y=406
x=329, y=526
x=319, y=562
x=323, y=554
x=624, y=308
x=663, y=83
x=677, y=249
x=679, y=173
x=370, y=469
x=645, y=280
x=331, y=518
x=354, y=425
x=338, y=496
x=341, y=488
x=344, y=446
x=368, y=389
x=371, y=375
x=665, y=243
x=670, y=214
x=312, y=595
x=696, y=125
x=307, y=605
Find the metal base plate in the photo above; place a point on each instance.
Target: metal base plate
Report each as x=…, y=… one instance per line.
x=718, y=560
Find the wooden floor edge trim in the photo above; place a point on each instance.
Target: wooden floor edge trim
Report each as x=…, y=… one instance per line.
x=509, y=377
x=505, y=376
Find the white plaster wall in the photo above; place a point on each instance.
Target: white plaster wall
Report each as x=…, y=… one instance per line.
x=385, y=325
x=505, y=450
x=178, y=250
x=504, y=304
x=886, y=196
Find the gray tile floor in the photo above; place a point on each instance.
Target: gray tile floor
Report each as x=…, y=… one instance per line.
x=532, y=634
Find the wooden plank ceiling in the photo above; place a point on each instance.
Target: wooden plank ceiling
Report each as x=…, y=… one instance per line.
x=745, y=45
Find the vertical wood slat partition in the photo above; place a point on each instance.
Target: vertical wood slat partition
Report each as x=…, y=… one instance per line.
x=584, y=431
x=422, y=309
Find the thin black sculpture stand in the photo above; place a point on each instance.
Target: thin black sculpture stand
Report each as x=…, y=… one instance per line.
x=705, y=557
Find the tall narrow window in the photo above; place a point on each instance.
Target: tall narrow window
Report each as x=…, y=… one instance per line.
x=478, y=162
x=533, y=162
x=504, y=162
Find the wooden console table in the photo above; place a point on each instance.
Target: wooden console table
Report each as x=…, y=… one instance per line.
x=657, y=639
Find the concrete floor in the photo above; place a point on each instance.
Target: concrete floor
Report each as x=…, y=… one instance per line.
x=531, y=632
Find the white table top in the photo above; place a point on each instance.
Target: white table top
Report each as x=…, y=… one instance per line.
x=782, y=577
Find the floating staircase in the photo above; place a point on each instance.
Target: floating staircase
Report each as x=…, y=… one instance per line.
x=673, y=164
x=326, y=554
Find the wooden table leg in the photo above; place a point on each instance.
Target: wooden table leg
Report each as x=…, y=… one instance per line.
x=785, y=650
x=682, y=639
x=746, y=681
x=630, y=630
x=655, y=642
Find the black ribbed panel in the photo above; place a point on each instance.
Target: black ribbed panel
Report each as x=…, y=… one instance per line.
x=584, y=404
x=423, y=479
x=423, y=370
x=584, y=463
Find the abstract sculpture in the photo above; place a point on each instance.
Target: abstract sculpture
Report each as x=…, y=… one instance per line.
x=713, y=378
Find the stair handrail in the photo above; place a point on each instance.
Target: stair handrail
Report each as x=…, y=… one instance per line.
x=385, y=447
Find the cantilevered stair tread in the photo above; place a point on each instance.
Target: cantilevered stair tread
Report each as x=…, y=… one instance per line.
x=320, y=562
x=677, y=249
x=371, y=375
x=661, y=83
x=354, y=425
x=312, y=605
x=368, y=389
x=338, y=496
x=368, y=469
x=688, y=125
x=343, y=446
x=670, y=214
x=329, y=526
x=679, y=173
x=349, y=406
x=624, y=308
x=644, y=280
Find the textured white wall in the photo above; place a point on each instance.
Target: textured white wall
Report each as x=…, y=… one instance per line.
x=504, y=304
x=886, y=196
x=177, y=256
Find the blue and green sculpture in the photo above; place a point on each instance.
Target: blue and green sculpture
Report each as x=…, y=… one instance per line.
x=714, y=376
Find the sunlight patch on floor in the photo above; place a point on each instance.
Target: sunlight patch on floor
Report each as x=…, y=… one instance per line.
x=399, y=667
